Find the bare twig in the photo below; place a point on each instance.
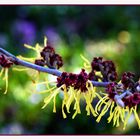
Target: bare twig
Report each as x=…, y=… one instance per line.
x=18, y=61
x=55, y=72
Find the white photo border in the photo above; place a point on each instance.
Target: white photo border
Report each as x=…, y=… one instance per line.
x=70, y=2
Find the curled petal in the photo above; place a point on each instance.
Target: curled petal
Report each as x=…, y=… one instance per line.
x=45, y=41
x=104, y=110
x=48, y=99
x=70, y=100
x=129, y=111
x=6, y=80
x=89, y=105
x=64, y=100
x=29, y=47
x=100, y=103
x=136, y=116
x=2, y=70
x=85, y=60
x=111, y=112
x=77, y=96
x=26, y=59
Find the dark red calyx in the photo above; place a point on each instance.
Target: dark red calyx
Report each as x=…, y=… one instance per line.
x=107, y=69
x=132, y=100
x=127, y=79
x=92, y=76
x=56, y=61
x=112, y=90
x=51, y=59
x=47, y=51
x=97, y=61
x=40, y=62
x=5, y=61
x=78, y=81
x=81, y=81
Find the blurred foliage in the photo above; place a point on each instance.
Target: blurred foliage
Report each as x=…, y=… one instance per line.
x=112, y=32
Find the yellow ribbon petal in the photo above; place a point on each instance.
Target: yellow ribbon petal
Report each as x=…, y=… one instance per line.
x=128, y=116
x=136, y=116
x=104, y=110
x=6, y=80
x=49, y=98
x=70, y=100
x=45, y=41
x=77, y=96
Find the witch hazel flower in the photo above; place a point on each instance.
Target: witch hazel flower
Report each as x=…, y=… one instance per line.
x=5, y=63
x=120, y=105
x=100, y=70
x=132, y=102
x=45, y=56
x=109, y=103
x=75, y=87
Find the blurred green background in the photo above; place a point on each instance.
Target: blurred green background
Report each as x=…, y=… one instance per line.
x=112, y=32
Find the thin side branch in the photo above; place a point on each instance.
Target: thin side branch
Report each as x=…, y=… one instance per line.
x=100, y=84
x=18, y=61
x=39, y=68
x=55, y=72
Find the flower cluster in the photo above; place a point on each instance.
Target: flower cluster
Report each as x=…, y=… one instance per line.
x=45, y=56
x=75, y=88
x=78, y=81
x=69, y=79
x=119, y=101
x=49, y=58
x=107, y=69
x=121, y=98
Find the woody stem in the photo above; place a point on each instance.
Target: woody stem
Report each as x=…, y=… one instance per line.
x=55, y=72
